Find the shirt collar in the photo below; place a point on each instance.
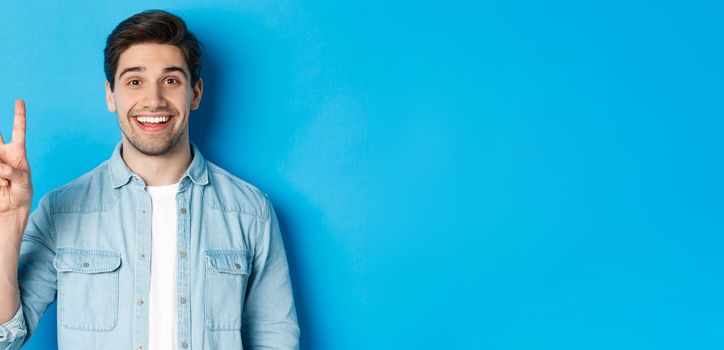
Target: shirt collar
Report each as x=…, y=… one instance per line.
x=197, y=172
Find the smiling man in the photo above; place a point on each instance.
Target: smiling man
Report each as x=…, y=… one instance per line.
x=157, y=248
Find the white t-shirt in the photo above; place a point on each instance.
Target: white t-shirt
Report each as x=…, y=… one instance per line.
x=162, y=299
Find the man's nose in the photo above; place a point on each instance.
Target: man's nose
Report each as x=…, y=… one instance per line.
x=154, y=97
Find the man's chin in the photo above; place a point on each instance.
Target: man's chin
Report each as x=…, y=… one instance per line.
x=153, y=150
x=153, y=146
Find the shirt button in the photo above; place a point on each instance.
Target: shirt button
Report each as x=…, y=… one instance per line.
x=140, y=301
x=182, y=300
x=141, y=256
x=237, y=266
x=140, y=347
x=183, y=210
x=184, y=344
x=143, y=211
x=86, y=264
x=182, y=253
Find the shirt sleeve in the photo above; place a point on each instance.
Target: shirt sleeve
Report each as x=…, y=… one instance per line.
x=36, y=278
x=269, y=316
x=13, y=329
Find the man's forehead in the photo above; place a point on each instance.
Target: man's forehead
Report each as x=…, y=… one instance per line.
x=151, y=57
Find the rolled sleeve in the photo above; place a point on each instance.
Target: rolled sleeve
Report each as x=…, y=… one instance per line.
x=13, y=329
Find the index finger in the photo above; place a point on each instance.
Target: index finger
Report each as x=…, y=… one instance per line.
x=19, y=123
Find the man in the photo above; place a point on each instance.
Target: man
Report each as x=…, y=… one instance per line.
x=156, y=248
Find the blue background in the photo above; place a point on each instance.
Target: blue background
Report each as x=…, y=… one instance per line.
x=516, y=175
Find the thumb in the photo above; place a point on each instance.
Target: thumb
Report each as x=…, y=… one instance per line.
x=16, y=176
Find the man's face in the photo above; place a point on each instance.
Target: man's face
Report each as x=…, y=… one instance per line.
x=153, y=97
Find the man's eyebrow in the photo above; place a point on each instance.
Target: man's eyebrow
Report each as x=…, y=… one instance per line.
x=175, y=69
x=143, y=69
x=132, y=69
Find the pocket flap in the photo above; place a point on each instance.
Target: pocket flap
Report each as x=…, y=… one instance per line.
x=229, y=261
x=86, y=261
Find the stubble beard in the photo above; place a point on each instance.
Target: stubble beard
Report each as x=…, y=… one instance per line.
x=152, y=147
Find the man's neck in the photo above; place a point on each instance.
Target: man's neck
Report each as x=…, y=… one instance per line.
x=161, y=170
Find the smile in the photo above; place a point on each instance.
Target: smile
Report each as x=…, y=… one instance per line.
x=152, y=120
x=152, y=123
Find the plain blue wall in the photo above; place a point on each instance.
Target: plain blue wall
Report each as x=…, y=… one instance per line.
x=515, y=175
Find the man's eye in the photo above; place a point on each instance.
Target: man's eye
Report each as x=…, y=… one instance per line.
x=134, y=82
x=171, y=81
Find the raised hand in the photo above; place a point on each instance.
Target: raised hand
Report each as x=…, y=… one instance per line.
x=16, y=190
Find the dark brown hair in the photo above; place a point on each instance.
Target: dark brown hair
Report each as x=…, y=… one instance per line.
x=152, y=26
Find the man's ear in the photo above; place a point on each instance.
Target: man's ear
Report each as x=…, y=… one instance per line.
x=110, y=102
x=198, y=90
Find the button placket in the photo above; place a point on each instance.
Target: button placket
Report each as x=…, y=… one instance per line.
x=142, y=268
x=184, y=321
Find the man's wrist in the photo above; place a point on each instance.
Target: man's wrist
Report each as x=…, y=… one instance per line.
x=13, y=222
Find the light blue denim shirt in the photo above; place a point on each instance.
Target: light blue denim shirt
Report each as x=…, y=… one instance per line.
x=89, y=244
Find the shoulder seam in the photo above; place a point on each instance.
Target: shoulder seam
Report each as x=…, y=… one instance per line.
x=98, y=169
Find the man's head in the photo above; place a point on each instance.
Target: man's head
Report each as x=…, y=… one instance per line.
x=152, y=26
x=152, y=65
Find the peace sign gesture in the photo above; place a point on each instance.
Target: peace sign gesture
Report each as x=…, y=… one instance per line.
x=16, y=190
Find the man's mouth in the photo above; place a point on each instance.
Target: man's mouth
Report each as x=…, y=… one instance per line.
x=152, y=122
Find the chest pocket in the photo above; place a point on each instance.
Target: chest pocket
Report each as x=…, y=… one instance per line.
x=227, y=272
x=87, y=289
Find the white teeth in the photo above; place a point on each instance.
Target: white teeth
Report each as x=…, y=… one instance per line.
x=153, y=120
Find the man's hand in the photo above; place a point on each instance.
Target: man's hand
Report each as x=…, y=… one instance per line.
x=16, y=190
x=16, y=195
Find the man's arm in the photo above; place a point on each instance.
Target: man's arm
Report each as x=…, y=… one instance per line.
x=269, y=317
x=35, y=279
x=12, y=226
